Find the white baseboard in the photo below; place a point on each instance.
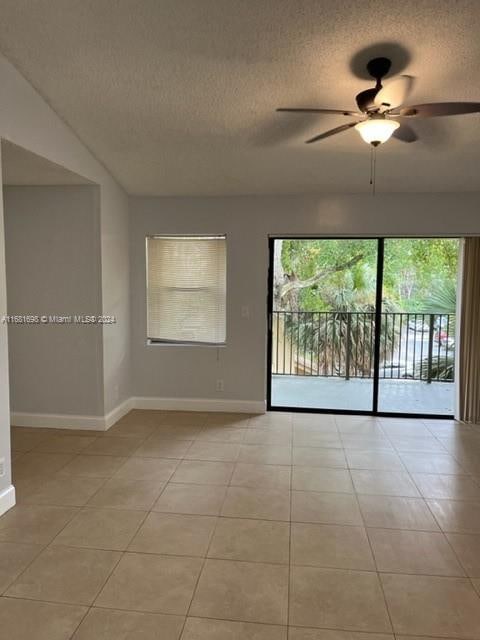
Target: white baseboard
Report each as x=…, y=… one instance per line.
x=58, y=421
x=7, y=499
x=199, y=404
x=115, y=414
x=102, y=423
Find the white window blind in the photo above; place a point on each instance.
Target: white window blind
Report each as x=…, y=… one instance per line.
x=186, y=289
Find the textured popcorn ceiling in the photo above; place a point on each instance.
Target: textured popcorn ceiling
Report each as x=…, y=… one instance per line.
x=177, y=97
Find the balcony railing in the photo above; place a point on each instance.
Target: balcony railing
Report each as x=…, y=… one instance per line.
x=417, y=346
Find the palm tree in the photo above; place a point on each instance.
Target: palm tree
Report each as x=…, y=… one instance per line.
x=442, y=302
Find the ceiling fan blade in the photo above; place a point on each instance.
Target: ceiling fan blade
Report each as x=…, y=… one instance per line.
x=435, y=109
x=394, y=93
x=405, y=134
x=331, y=132
x=341, y=112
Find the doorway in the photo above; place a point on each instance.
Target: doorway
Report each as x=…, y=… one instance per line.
x=362, y=325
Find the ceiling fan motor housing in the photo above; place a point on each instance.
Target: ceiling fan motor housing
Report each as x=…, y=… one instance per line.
x=377, y=68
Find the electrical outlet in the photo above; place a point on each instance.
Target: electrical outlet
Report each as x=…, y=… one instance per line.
x=2, y=467
x=219, y=385
x=245, y=311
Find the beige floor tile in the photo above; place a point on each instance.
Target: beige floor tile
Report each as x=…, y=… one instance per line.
x=316, y=420
x=376, y=442
x=432, y=606
x=65, y=575
x=34, y=524
x=62, y=490
x=159, y=447
x=184, y=418
x=421, y=443
x=26, y=441
x=246, y=591
x=265, y=454
x=213, y=451
x=125, y=430
x=313, y=439
x=156, y=584
x=178, y=432
x=113, y=446
x=272, y=418
x=305, y=430
x=109, y=529
x=476, y=585
x=467, y=548
x=321, y=479
x=351, y=425
x=93, y=466
x=14, y=558
x=261, y=476
x=29, y=620
x=202, y=472
x=447, y=487
x=34, y=464
x=203, y=629
x=385, y=483
x=108, y=624
x=431, y=463
x=392, y=512
x=191, y=499
x=319, y=457
x=267, y=436
x=153, y=469
x=374, y=460
x=228, y=419
x=335, y=598
x=456, y=516
x=413, y=552
x=326, y=508
x=296, y=633
x=404, y=428
x=245, y=502
x=134, y=417
x=251, y=540
x=123, y=493
x=334, y=546
x=174, y=534
x=64, y=444
x=221, y=434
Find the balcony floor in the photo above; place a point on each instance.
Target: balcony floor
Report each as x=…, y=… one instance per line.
x=398, y=396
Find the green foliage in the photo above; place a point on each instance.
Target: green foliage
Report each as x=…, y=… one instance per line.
x=414, y=269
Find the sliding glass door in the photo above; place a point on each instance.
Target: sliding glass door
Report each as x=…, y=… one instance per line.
x=323, y=324
x=362, y=325
x=417, y=359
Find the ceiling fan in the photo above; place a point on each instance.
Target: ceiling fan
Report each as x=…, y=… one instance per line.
x=380, y=106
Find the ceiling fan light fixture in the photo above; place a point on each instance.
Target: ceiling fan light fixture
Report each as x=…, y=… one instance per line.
x=375, y=131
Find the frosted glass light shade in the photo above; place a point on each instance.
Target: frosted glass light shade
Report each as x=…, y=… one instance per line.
x=376, y=130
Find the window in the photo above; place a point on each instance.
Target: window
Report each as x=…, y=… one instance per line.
x=186, y=289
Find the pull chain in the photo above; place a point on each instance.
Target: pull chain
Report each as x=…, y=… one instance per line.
x=373, y=166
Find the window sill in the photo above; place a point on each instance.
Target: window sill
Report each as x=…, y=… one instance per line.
x=161, y=343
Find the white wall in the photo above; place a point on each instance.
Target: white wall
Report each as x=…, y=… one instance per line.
x=191, y=372
x=7, y=494
x=28, y=121
x=52, y=244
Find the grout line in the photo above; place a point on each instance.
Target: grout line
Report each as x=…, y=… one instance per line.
x=379, y=580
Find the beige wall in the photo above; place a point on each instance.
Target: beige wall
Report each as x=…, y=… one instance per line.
x=53, y=268
x=191, y=372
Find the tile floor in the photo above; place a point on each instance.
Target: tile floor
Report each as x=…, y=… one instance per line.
x=233, y=527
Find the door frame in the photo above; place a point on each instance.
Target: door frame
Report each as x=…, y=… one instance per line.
x=378, y=314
